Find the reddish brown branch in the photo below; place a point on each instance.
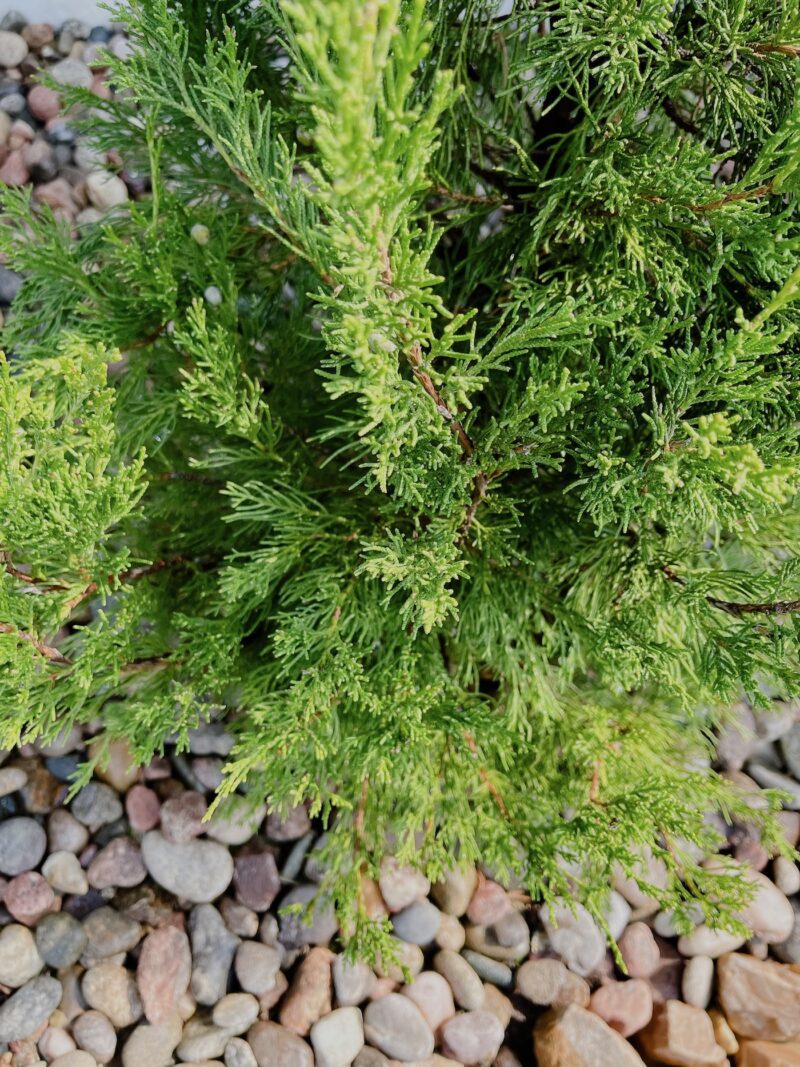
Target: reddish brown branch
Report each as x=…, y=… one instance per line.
x=738, y=609
x=485, y=778
x=52, y=654
x=425, y=380
x=784, y=49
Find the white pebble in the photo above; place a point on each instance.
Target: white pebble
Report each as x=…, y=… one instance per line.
x=213, y=296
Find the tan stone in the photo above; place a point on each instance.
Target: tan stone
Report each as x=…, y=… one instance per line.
x=760, y=998
x=574, y=1037
x=682, y=1036
x=722, y=1032
x=309, y=996
x=548, y=983
x=768, y=1054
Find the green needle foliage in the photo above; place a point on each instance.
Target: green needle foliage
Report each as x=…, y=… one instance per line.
x=433, y=421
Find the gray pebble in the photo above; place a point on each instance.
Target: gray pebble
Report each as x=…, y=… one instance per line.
x=110, y=932
x=770, y=779
x=95, y=805
x=489, y=970
x=25, y=1011
x=198, y=870
x=213, y=948
x=790, y=750
x=22, y=845
x=418, y=923
x=296, y=930
x=60, y=939
x=395, y=1026
x=72, y=72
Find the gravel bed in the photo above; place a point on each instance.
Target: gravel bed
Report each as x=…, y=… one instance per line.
x=134, y=933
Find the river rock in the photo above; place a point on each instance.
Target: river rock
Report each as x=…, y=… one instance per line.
x=109, y=988
x=19, y=957
x=274, y=1046
x=454, y=892
x=401, y=886
x=25, y=1011
x=182, y=816
x=152, y=1045
x=94, y=1033
x=118, y=865
x=309, y=996
x=627, y=1007
x=682, y=1035
x=257, y=966
x=65, y=833
x=236, y=822
x=338, y=1037
x=96, y=805
x=22, y=845
x=28, y=897
x=295, y=929
x=60, y=939
x=353, y=982
x=396, y=1027
x=472, y=1037
x=201, y=1041
x=467, y=987
x=575, y=936
x=109, y=932
x=198, y=871
x=760, y=998
x=489, y=903
x=13, y=49
x=548, y=983
x=705, y=941
x=639, y=950
x=418, y=923
x=213, y=948
x=235, y=1013
x=433, y=996
x=163, y=972
x=256, y=880
x=63, y=871
x=239, y=1054
x=574, y=1037
x=698, y=981
x=12, y=779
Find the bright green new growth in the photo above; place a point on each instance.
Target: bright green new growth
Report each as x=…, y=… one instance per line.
x=451, y=453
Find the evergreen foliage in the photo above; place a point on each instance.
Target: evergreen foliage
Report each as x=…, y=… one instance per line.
x=434, y=420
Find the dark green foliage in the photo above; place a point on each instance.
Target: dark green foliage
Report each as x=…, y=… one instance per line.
x=452, y=453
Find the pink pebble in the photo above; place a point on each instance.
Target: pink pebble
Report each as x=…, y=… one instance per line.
x=28, y=897
x=142, y=807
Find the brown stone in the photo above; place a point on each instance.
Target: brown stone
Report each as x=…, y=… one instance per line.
x=681, y=1035
x=760, y=998
x=639, y=950
x=309, y=996
x=548, y=983
x=42, y=792
x=627, y=1007
x=116, y=766
x=163, y=972
x=574, y=1037
x=182, y=817
x=768, y=1054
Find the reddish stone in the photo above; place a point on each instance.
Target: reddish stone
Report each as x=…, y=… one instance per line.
x=489, y=903
x=256, y=880
x=625, y=1006
x=44, y=103
x=142, y=808
x=118, y=864
x=13, y=171
x=182, y=816
x=163, y=972
x=28, y=897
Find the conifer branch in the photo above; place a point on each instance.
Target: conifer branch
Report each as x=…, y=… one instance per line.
x=43, y=649
x=740, y=609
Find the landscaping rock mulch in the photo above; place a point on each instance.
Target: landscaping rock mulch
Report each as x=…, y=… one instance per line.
x=39, y=145
x=133, y=932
